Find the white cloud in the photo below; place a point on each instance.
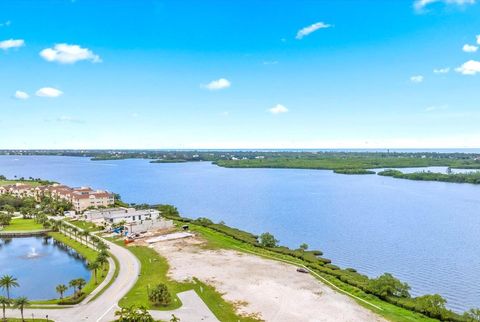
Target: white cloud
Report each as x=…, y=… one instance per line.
x=416, y=79
x=469, y=48
x=419, y=5
x=278, y=109
x=470, y=67
x=444, y=70
x=11, y=43
x=20, y=95
x=478, y=39
x=218, y=84
x=312, y=28
x=69, y=54
x=48, y=92
x=6, y=23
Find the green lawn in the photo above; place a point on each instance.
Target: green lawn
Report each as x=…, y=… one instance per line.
x=86, y=252
x=154, y=271
x=20, y=224
x=85, y=225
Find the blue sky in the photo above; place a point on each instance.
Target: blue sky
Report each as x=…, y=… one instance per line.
x=239, y=74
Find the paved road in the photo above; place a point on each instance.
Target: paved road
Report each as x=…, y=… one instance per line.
x=103, y=308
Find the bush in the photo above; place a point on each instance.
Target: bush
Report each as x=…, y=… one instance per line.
x=160, y=295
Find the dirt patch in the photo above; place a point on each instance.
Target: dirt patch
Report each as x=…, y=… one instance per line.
x=268, y=289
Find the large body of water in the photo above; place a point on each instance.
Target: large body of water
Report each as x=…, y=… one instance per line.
x=40, y=264
x=425, y=233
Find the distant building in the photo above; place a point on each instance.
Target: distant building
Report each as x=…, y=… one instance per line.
x=81, y=198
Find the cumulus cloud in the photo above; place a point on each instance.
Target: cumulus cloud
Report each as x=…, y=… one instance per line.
x=469, y=48
x=278, y=109
x=419, y=5
x=218, y=84
x=69, y=54
x=471, y=67
x=444, y=70
x=20, y=95
x=312, y=28
x=416, y=79
x=478, y=39
x=12, y=43
x=48, y=92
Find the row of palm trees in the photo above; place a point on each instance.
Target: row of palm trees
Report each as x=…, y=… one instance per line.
x=84, y=236
x=7, y=282
x=77, y=285
x=18, y=303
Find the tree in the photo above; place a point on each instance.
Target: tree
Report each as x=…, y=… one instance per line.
x=168, y=210
x=304, y=247
x=174, y=318
x=94, y=266
x=7, y=282
x=472, y=315
x=20, y=304
x=80, y=284
x=160, y=295
x=4, y=302
x=132, y=313
x=61, y=289
x=386, y=285
x=433, y=305
x=9, y=209
x=73, y=284
x=5, y=219
x=268, y=240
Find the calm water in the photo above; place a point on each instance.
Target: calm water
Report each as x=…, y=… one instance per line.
x=425, y=233
x=40, y=264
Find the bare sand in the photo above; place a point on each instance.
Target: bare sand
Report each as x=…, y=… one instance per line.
x=267, y=289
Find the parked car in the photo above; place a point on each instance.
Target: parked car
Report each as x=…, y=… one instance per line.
x=302, y=270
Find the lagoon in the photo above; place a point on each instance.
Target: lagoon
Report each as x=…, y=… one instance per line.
x=40, y=264
x=425, y=233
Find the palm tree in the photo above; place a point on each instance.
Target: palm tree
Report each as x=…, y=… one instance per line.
x=4, y=302
x=94, y=266
x=62, y=288
x=86, y=234
x=73, y=284
x=80, y=284
x=20, y=304
x=102, y=259
x=7, y=282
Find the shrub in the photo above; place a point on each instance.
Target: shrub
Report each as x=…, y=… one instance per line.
x=160, y=295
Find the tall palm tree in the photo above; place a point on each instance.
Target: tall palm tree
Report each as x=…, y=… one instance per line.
x=86, y=234
x=94, y=266
x=62, y=288
x=80, y=284
x=73, y=284
x=7, y=282
x=4, y=302
x=20, y=304
x=102, y=259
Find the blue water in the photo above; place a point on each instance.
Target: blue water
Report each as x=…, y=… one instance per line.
x=425, y=233
x=39, y=264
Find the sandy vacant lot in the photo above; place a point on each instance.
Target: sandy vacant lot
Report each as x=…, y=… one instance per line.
x=271, y=290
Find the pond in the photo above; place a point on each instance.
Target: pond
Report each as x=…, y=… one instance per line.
x=40, y=264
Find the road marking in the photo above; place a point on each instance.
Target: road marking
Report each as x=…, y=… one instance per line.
x=103, y=315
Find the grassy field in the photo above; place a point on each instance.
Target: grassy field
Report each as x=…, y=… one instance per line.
x=89, y=254
x=85, y=225
x=217, y=240
x=154, y=271
x=20, y=224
